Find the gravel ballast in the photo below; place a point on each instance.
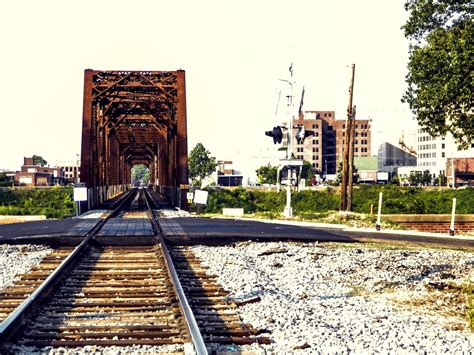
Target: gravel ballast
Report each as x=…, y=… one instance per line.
x=19, y=259
x=325, y=298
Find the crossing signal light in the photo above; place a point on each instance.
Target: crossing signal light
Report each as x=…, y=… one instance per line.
x=276, y=133
x=302, y=133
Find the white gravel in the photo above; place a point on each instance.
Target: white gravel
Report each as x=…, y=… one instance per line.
x=90, y=349
x=324, y=298
x=19, y=259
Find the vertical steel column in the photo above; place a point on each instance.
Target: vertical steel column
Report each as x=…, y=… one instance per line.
x=182, y=140
x=86, y=128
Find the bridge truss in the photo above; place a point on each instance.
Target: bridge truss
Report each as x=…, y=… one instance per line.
x=134, y=117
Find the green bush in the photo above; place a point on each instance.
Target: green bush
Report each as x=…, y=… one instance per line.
x=55, y=202
x=396, y=200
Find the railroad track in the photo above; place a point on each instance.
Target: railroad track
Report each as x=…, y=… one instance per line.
x=121, y=296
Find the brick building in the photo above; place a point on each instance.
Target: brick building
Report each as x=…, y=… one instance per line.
x=324, y=149
x=463, y=171
x=72, y=172
x=226, y=175
x=36, y=175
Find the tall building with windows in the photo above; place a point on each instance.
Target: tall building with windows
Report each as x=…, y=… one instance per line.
x=433, y=152
x=324, y=149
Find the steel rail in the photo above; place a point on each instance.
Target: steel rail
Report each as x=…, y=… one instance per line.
x=10, y=325
x=196, y=336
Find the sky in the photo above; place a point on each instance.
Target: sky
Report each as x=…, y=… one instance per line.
x=234, y=54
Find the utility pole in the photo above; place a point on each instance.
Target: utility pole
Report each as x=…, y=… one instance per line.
x=348, y=142
x=350, y=173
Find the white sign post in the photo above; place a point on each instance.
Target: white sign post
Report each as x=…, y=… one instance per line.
x=379, y=212
x=453, y=214
x=80, y=194
x=200, y=198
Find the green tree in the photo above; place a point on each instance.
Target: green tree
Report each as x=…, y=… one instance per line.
x=38, y=160
x=355, y=175
x=426, y=178
x=201, y=164
x=440, y=67
x=267, y=174
x=307, y=172
x=140, y=174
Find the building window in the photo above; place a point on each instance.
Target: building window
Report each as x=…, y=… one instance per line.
x=314, y=141
x=314, y=165
x=314, y=126
x=314, y=157
x=442, y=146
x=442, y=155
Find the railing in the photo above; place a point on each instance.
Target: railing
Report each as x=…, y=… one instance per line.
x=171, y=193
x=100, y=194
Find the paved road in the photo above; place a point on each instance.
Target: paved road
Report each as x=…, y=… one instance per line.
x=199, y=230
x=34, y=228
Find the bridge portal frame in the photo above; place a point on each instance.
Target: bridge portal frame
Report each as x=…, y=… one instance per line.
x=157, y=99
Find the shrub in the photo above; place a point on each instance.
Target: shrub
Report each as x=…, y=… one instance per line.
x=55, y=202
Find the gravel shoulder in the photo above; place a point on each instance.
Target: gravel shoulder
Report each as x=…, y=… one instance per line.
x=333, y=298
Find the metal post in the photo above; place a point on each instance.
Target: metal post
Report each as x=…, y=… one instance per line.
x=288, y=212
x=453, y=213
x=278, y=178
x=377, y=225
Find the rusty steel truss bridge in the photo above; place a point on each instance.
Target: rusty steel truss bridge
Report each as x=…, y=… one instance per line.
x=134, y=117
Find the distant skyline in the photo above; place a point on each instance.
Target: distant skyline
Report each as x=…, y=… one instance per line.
x=233, y=53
